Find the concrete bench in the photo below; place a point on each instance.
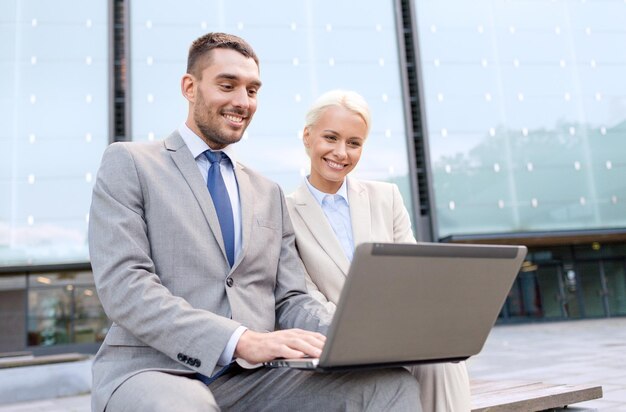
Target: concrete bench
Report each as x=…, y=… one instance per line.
x=26, y=377
x=524, y=396
x=19, y=359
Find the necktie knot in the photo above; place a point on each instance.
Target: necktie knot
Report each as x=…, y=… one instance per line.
x=214, y=157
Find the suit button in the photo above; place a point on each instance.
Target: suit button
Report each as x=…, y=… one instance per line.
x=229, y=282
x=182, y=357
x=198, y=363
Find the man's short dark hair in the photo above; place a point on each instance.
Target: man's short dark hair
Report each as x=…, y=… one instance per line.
x=202, y=46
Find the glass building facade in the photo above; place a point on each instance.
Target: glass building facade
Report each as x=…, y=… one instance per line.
x=526, y=112
x=304, y=50
x=54, y=105
x=525, y=107
x=522, y=118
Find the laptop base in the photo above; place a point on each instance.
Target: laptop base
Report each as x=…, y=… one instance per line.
x=313, y=364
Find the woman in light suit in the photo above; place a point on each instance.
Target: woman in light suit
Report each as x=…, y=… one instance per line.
x=332, y=213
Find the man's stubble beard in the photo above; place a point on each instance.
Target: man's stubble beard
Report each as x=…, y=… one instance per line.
x=211, y=133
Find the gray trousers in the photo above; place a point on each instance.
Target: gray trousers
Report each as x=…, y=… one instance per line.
x=270, y=390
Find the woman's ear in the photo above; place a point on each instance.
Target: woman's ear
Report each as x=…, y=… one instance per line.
x=306, y=137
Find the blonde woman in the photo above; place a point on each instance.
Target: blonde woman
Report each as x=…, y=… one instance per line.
x=333, y=212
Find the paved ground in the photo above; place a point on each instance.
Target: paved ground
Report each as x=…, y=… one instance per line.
x=589, y=351
x=574, y=352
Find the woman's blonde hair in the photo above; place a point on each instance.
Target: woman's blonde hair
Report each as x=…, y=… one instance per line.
x=347, y=99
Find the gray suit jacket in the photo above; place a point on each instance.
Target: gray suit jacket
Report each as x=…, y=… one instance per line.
x=377, y=213
x=161, y=270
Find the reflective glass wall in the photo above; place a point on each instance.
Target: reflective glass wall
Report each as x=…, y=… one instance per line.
x=54, y=111
x=570, y=282
x=50, y=311
x=63, y=308
x=526, y=113
x=305, y=48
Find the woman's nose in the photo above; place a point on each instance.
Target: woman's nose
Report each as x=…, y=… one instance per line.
x=340, y=150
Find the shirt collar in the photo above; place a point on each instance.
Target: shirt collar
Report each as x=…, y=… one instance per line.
x=319, y=195
x=197, y=146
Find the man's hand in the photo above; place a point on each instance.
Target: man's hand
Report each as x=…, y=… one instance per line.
x=256, y=347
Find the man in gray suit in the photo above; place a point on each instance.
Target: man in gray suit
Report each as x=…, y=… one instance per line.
x=194, y=261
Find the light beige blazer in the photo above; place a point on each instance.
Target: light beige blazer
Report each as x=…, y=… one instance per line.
x=377, y=213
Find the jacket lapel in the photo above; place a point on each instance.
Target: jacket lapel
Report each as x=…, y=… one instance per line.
x=246, y=200
x=360, y=215
x=185, y=162
x=317, y=223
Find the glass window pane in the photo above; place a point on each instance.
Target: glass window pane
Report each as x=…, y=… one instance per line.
x=524, y=138
x=523, y=299
x=550, y=290
x=615, y=272
x=54, y=108
x=49, y=316
x=90, y=323
x=305, y=49
x=588, y=274
x=614, y=249
x=573, y=293
x=64, y=308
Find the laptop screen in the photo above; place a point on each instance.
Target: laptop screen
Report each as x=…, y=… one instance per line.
x=408, y=303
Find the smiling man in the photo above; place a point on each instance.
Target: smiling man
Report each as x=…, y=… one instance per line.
x=194, y=261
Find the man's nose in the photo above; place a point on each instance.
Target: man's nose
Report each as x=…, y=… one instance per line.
x=241, y=98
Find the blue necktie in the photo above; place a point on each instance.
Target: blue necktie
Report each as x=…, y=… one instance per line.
x=221, y=201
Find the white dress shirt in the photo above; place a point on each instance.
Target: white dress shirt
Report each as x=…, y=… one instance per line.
x=337, y=211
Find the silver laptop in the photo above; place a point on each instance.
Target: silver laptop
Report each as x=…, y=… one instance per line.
x=416, y=303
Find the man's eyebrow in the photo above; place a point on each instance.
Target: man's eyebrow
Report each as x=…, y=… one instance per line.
x=229, y=76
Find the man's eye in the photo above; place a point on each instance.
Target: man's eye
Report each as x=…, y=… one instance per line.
x=330, y=137
x=252, y=92
x=226, y=86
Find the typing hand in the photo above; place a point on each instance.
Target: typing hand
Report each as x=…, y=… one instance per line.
x=256, y=347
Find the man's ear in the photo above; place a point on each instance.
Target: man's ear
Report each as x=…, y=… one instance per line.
x=188, y=87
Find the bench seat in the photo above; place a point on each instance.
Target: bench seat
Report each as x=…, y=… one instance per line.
x=27, y=359
x=525, y=396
